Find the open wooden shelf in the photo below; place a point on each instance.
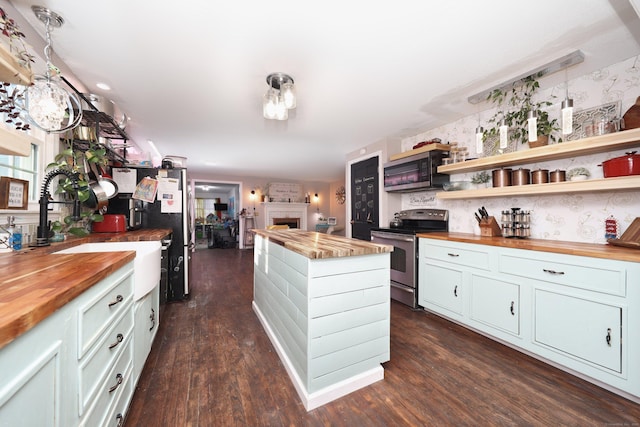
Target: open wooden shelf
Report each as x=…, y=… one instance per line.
x=14, y=142
x=11, y=71
x=580, y=147
x=591, y=185
x=423, y=149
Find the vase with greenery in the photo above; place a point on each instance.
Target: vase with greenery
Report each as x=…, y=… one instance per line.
x=514, y=105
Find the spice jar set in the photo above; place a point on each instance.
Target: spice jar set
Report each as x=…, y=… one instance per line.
x=516, y=223
x=507, y=177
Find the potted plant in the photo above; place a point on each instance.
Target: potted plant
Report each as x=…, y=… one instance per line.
x=481, y=179
x=77, y=161
x=518, y=102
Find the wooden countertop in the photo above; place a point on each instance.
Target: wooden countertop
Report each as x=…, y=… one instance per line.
x=34, y=283
x=315, y=245
x=555, y=246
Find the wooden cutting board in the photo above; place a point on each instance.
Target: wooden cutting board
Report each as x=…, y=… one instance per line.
x=630, y=238
x=632, y=116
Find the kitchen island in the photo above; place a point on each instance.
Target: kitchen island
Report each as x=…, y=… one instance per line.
x=323, y=300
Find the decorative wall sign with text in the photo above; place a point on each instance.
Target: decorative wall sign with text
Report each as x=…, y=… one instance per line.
x=14, y=193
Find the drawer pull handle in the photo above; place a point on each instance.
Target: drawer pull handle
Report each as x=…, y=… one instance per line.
x=119, y=339
x=608, y=337
x=559, y=273
x=152, y=317
x=120, y=420
x=512, y=308
x=118, y=300
x=453, y=255
x=455, y=291
x=118, y=382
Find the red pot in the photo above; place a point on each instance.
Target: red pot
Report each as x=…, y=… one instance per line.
x=626, y=165
x=110, y=224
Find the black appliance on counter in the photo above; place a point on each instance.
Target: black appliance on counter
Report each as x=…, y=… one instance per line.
x=404, y=258
x=174, y=286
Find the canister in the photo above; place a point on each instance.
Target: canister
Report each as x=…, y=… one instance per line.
x=520, y=177
x=501, y=177
x=557, y=176
x=540, y=176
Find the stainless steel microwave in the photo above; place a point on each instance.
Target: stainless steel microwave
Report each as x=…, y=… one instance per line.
x=415, y=172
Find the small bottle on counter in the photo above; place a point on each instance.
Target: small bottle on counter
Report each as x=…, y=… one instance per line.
x=15, y=234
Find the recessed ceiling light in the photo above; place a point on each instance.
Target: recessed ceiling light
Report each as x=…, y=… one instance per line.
x=103, y=86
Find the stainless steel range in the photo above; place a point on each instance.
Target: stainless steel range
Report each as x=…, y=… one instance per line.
x=404, y=258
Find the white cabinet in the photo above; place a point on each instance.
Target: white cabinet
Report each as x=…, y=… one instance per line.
x=63, y=371
x=442, y=287
x=581, y=328
x=35, y=373
x=577, y=312
x=147, y=321
x=495, y=303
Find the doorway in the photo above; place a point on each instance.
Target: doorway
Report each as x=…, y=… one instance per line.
x=215, y=206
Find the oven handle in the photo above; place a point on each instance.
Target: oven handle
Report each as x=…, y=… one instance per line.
x=393, y=236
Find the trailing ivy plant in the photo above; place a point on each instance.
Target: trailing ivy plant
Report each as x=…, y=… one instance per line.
x=517, y=102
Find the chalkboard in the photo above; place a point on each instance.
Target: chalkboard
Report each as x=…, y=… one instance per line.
x=285, y=192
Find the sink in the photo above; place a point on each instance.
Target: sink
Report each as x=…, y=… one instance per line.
x=146, y=264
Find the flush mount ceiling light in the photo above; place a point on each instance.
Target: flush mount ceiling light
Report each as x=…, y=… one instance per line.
x=49, y=105
x=280, y=97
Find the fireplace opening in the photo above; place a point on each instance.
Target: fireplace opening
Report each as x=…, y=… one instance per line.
x=291, y=222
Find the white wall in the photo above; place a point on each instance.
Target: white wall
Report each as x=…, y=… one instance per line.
x=576, y=217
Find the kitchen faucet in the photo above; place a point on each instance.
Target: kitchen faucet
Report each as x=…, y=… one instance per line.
x=42, y=236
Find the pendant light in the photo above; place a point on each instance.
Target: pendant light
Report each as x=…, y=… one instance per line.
x=504, y=133
x=567, y=109
x=479, y=135
x=279, y=98
x=50, y=107
x=532, y=125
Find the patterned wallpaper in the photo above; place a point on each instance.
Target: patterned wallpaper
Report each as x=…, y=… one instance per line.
x=578, y=217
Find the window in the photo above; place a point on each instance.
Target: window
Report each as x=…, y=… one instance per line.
x=25, y=168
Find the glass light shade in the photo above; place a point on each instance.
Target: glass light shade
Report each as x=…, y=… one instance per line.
x=48, y=104
x=567, y=116
x=479, y=144
x=504, y=134
x=288, y=91
x=269, y=104
x=282, y=113
x=532, y=126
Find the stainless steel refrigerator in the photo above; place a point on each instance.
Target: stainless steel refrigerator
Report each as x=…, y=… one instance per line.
x=159, y=214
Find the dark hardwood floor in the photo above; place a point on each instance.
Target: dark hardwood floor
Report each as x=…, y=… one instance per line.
x=213, y=365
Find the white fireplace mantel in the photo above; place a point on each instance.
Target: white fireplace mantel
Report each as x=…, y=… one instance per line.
x=271, y=210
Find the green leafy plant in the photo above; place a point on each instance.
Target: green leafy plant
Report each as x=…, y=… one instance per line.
x=77, y=161
x=517, y=102
x=481, y=177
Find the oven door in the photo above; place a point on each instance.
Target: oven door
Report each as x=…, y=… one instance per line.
x=403, y=265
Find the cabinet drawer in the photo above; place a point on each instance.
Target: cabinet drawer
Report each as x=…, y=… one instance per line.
x=585, y=329
x=592, y=274
x=101, y=358
x=442, y=287
x=97, y=314
x=496, y=303
x=475, y=256
x=117, y=382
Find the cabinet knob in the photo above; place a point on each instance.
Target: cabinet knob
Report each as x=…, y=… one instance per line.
x=152, y=317
x=608, y=337
x=512, y=308
x=453, y=255
x=455, y=291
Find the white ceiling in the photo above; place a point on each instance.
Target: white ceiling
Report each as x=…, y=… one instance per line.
x=191, y=74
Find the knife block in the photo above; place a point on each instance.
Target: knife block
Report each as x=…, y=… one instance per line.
x=489, y=227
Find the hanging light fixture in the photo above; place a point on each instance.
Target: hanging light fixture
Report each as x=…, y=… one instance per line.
x=532, y=125
x=567, y=109
x=279, y=98
x=504, y=134
x=49, y=106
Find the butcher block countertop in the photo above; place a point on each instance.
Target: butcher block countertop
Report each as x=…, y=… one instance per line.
x=315, y=245
x=34, y=283
x=568, y=248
